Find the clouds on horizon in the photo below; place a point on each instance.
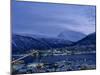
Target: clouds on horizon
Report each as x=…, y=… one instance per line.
x=45, y=18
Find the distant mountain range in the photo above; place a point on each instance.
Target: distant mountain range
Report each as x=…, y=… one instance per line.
x=21, y=43
x=71, y=35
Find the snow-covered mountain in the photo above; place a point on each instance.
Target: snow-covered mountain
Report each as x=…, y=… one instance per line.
x=71, y=35
x=22, y=43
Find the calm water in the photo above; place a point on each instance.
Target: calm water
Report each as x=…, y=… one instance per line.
x=89, y=58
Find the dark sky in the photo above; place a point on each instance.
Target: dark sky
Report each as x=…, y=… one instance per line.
x=51, y=19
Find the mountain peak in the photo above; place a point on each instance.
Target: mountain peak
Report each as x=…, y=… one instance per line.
x=71, y=35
